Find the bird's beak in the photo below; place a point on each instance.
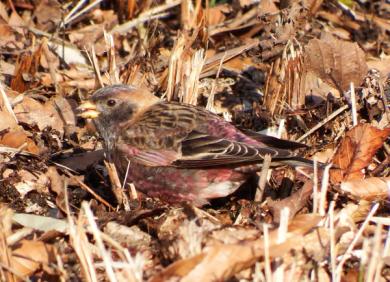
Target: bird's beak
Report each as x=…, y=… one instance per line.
x=88, y=110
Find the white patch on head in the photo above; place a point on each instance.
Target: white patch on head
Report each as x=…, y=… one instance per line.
x=219, y=190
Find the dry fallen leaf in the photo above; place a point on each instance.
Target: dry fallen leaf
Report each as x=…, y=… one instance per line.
x=220, y=261
x=48, y=14
x=373, y=188
x=336, y=61
x=19, y=140
x=41, y=223
x=29, y=256
x=295, y=202
x=31, y=112
x=215, y=15
x=25, y=71
x=356, y=151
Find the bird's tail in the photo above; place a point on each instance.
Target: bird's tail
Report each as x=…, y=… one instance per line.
x=300, y=161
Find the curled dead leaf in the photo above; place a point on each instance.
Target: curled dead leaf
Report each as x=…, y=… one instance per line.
x=356, y=151
x=25, y=71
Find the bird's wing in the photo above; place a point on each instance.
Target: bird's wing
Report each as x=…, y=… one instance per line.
x=202, y=150
x=179, y=135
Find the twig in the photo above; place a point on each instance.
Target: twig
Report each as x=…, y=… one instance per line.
x=117, y=187
x=385, y=102
x=89, y=190
x=263, y=178
x=319, y=125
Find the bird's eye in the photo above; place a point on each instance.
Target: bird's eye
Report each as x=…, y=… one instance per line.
x=111, y=102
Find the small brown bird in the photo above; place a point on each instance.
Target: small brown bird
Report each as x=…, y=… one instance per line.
x=179, y=152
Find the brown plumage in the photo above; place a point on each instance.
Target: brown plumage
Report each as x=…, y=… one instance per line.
x=179, y=152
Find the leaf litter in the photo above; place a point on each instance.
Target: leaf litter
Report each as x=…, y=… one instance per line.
x=311, y=71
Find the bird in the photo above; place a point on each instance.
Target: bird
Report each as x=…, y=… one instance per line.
x=179, y=152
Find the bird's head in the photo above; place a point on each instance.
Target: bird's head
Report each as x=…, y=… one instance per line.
x=116, y=104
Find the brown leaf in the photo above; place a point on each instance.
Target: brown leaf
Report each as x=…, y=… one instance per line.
x=335, y=61
x=356, y=151
x=57, y=185
x=17, y=139
x=7, y=34
x=48, y=14
x=215, y=15
x=30, y=255
x=45, y=115
x=7, y=120
x=295, y=202
x=373, y=188
x=24, y=72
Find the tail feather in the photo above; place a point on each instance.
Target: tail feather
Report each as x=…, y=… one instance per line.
x=300, y=161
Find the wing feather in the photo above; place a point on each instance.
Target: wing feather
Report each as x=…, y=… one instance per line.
x=178, y=135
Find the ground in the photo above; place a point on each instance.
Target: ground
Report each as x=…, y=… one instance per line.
x=315, y=72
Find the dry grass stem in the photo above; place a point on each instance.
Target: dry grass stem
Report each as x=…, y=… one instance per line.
x=375, y=262
x=347, y=253
x=316, y=198
x=94, y=63
x=332, y=234
x=324, y=189
x=353, y=105
x=210, y=99
x=267, y=260
x=112, y=67
x=7, y=103
x=73, y=11
x=74, y=16
x=99, y=242
x=79, y=242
